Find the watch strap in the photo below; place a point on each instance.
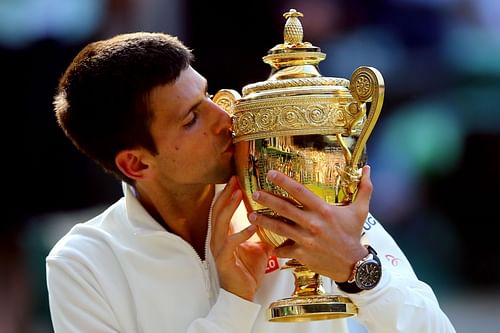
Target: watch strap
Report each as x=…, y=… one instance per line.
x=350, y=285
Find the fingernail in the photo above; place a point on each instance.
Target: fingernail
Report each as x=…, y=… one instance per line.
x=256, y=195
x=235, y=195
x=271, y=174
x=252, y=216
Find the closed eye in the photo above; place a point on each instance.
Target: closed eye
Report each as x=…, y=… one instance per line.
x=194, y=112
x=192, y=121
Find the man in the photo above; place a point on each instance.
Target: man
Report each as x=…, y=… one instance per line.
x=166, y=256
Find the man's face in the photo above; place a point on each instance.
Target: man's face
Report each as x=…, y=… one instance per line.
x=192, y=134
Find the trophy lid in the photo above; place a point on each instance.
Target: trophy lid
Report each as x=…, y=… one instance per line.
x=297, y=100
x=294, y=66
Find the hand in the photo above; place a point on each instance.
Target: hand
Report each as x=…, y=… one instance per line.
x=240, y=263
x=326, y=238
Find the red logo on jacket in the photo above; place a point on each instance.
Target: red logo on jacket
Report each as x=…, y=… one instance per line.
x=272, y=264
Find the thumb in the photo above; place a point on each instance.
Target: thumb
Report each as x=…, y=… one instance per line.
x=365, y=186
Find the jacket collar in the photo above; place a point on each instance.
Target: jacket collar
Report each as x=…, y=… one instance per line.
x=140, y=220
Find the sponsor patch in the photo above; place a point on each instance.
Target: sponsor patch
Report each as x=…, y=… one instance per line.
x=272, y=264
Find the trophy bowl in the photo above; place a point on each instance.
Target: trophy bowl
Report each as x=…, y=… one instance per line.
x=312, y=128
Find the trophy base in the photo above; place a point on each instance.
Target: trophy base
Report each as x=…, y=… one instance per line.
x=309, y=308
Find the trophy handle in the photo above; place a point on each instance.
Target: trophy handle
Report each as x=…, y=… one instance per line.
x=226, y=99
x=366, y=85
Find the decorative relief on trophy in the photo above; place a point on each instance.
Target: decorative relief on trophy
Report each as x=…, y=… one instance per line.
x=312, y=128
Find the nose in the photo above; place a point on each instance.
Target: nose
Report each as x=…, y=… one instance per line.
x=222, y=120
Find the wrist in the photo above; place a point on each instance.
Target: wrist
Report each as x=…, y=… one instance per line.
x=365, y=274
x=365, y=255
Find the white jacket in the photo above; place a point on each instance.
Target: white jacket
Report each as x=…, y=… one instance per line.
x=122, y=272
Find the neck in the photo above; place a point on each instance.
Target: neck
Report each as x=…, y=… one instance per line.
x=183, y=212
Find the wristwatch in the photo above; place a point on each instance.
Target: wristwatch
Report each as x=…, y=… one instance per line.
x=365, y=275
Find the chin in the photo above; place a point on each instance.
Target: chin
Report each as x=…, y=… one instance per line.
x=225, y=174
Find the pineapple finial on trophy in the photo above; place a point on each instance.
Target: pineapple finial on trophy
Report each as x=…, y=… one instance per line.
x=293, y=31
x=294, y=52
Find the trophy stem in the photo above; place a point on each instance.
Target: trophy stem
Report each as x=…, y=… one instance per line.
x=309, y=300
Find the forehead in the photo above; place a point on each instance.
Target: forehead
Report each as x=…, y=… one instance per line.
x=174, y=99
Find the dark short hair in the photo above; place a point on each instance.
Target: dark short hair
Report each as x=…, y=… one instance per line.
x=102, y=100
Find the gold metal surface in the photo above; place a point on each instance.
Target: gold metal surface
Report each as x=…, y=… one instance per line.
x=311, y=308
x=312, y=128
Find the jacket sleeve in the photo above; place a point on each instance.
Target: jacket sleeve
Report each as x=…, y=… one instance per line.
x=78, y=303
x=229, y=314
x=400, y=302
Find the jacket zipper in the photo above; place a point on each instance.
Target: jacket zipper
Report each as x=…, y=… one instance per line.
x=205, y=263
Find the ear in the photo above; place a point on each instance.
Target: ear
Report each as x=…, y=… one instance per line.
x=131, y=163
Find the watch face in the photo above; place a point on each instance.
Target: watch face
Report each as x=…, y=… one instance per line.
x=368, y=274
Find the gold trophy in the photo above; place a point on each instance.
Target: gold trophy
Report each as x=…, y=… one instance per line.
x=312, y=128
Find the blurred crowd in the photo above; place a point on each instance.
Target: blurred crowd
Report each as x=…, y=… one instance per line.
x=434, y=151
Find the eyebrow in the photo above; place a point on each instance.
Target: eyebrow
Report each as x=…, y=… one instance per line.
x=197, y=103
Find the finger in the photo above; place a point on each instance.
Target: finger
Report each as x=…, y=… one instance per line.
x=224, y=196
x=221, y=222
x=365, y=188
x=232, y=241
x=280, y=227
x=294, y=188
x=281, y=206
x=222, y=211
x=289, y=250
